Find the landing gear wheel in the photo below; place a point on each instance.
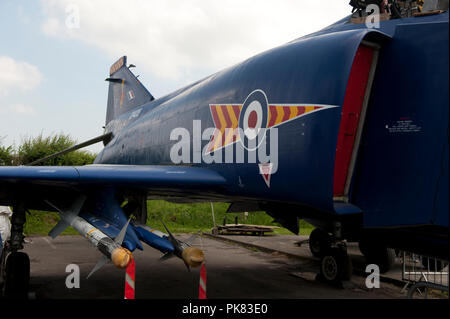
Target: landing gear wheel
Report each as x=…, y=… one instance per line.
x=379, y=255
x=319, y=242
x=17, y=275
x=335, y=266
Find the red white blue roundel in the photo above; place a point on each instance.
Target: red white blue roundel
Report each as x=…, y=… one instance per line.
x=253, y=120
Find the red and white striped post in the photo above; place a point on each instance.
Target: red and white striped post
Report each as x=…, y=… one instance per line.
x=129, y=280
x=202, y=285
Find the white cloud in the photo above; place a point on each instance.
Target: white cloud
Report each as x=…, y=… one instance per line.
x=173, y=39
x=22, y=109
x=17, y=75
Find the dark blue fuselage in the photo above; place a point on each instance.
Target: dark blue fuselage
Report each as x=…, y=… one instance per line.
x=400, y=176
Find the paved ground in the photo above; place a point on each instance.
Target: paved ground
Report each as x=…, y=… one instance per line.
x=233, y=272
x=287, y=244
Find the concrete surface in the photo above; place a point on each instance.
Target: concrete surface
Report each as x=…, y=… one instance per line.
x=287, y=244
x=232, y=272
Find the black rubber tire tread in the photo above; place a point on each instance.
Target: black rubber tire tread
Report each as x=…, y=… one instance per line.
x=17, y=275
x=343, y=262
x=320, y=239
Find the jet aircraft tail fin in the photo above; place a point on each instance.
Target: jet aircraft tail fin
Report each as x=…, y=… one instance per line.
x=126, y=92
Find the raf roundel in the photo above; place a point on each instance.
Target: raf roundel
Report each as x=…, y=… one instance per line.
x=253, y=120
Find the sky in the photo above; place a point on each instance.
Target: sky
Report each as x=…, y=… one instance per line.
x=56, y=54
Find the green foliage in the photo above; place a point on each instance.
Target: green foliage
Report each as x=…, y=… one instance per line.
x=6, y=155
x=34, y=148
x=40, y=223
x=195, y=217
x=179, y=218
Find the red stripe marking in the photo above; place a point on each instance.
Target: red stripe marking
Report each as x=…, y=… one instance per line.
x=224, y=136
x=351, y=110
x=226, y=117
x=273, y=115
x=201, y=291
x=287, y=113
x=237, y=111
x=215, y=116
x=301, y=110
x=129, y=291
x=213, y=140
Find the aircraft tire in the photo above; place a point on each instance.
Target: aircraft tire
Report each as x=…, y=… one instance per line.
x=335, y=266
x=319, y=242
x=17, y=275
x=379, y=255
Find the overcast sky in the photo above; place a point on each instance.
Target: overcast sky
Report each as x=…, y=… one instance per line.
x=55, y=54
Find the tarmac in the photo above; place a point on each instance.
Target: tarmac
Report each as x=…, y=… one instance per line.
x=288, y=245
x=233, y=272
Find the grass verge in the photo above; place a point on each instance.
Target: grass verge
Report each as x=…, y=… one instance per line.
x=179, y=218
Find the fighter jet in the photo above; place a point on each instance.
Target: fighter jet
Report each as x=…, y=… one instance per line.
x=346, y=128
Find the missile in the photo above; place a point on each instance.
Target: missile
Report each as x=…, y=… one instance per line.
x=120, y=256
x=169, y=245
x=191, y=256
x=111, y=249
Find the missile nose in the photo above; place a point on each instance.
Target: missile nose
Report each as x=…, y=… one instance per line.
x=193, y=256
x=121, y=257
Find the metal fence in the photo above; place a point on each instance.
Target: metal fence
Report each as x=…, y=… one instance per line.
x=425, y=276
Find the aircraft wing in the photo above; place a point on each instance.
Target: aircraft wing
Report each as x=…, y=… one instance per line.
x=96, y=189
x=33, y=184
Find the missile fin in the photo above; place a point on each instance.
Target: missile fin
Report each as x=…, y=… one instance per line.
x=58, y=229
x=103, y=261
x=119, y=239
x=59, y=210
x=172, y=237
x=77, y=205
x=191, y=239
x=166, y=256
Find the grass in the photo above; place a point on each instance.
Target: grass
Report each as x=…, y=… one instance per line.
x=40, y=223
x=179, y=218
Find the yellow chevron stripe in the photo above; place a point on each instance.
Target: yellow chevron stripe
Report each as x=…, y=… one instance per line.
x=223, y=125
x=309, y=109
x=280, y=114
x=218, y=139
x=234, y=124
x=233, y=118
x=294, y=111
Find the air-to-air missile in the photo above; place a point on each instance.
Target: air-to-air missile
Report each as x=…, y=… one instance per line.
x=191, y=256
x=111, y=249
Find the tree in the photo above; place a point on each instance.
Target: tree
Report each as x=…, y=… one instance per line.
x=34, y=148
x=6, y=155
